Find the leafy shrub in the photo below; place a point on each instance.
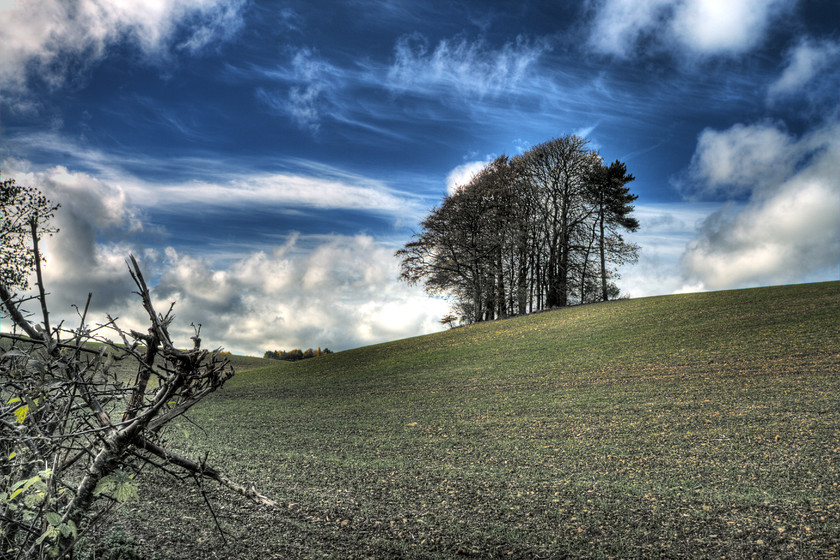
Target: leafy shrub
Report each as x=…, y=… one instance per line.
x=117, y=544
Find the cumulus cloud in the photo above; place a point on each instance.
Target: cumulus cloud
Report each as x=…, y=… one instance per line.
x=620, y=25
x=698, y=27
x=96, y=224
x=336, y=291
x=665, y=231
x=713, y=27
x=52, y=38
x=789, y=228
x=341, y=294
x=469, y=68
x=462, y=174
x=805, y=64
x=732, y=163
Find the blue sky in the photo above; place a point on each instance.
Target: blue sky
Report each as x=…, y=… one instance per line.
x=265, y=159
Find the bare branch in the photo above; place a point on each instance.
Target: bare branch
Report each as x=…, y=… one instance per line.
x=208, y=472
x=57, y=418
x=43, y=297
x=16, y=315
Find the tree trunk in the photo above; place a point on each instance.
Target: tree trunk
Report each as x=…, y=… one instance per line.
x=604, y=294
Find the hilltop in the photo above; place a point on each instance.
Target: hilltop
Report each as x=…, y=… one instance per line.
x=697, y=425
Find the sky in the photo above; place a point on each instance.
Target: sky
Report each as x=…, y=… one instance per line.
x=264, y=160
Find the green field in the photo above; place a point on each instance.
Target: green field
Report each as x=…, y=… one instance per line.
x=698, y=426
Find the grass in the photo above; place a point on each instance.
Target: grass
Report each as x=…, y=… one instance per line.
x=700, y=425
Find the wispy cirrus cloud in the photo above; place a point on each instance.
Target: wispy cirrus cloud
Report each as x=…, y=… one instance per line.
x=195, y=181
x=314, y=91
x=311, y=85
x=280, y=189
x=471, y=68
x=406, y=97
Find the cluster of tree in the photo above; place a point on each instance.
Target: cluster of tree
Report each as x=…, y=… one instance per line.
x=527, y=233
x=296, y=354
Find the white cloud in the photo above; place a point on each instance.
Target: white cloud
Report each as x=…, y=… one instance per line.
x=53, y=38
x=697, y=27
x=313, y=89
x=463, y=174
x=734, y=162
x=620, y=25
x=309, y=185
x=97, y=226
x=342, y=294
x=469, y=68
x=330, y=291
x=789, y=230
x=804, y=62
x=278, y=189
x=315, y=81
x=665, y=231
x=728, y=27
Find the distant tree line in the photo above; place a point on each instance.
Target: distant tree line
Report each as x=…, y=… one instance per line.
x=295, y=355
x=527, y=233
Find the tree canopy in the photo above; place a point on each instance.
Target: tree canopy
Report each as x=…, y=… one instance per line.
x=22, y=211
x=527, y=233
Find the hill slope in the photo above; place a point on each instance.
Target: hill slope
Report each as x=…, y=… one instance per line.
x=697, y=425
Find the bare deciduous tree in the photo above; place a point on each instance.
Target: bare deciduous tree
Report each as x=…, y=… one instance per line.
x=523, y=234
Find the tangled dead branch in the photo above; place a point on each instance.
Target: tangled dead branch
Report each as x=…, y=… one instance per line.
x=75, y=427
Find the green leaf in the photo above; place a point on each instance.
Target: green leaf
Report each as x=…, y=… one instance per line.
x=21, y=411
x=50, y=533
x=54, y=519
x=32, y=500
x=119, y=485
x=18, y=484
x=104, y=486
x=125, y=491
x=23, y=485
